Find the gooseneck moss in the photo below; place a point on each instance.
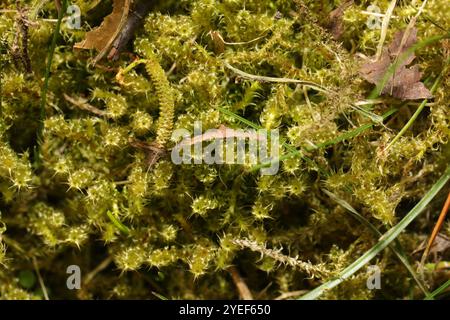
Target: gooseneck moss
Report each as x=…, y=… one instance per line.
x=166, y=100
x=140, y=231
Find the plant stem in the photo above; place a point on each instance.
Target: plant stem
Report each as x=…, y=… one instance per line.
x=51, y=52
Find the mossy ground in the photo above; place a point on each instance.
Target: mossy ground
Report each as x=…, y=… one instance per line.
x=185, y=225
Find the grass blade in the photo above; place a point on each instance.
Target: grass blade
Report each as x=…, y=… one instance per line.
x=395, y=247
x=383, y=242
x=419, y=109
x=43, y=102
x=438, y=291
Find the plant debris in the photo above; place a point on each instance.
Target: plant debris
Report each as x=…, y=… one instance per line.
x=405, y=83
x=103, y=37
x=336, y=23
x=440, y=245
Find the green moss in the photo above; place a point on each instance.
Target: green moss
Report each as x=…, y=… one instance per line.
x=176, y=229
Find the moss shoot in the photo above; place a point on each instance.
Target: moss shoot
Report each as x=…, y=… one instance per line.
x=103, y=194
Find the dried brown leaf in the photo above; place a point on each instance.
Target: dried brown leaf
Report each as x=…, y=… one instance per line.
x=405, y=82
x=440, y=245
x=102, y=37
x=336, y=23
x=219, y=43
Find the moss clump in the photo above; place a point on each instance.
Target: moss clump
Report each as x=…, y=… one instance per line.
x=101, y=198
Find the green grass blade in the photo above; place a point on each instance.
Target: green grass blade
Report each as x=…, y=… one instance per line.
x=239, y=118
x=420, y=108
x=383, y=242
x=351, y=134
x=396, y=247
x=376, y=92
x=159, y=296
x=438, y=291
x=343, y=137
x=119, y=225
x=44, y=90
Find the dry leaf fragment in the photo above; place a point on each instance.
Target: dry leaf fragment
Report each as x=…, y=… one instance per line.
x=219, y=43
x=102, y=37
x=405, y=82
x=440, y=245
x=336, y=24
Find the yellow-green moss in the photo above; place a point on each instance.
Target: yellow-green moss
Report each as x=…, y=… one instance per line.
x=186, y=224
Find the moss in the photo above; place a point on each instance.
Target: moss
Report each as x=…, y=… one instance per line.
x=187, y=224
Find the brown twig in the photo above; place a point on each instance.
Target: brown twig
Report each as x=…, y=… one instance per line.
x=41, y=281
x=153, y=150
x=134, y=21
x=23, y=25
x=259, y=78
x=244, y=291
x=221, y=133
x=82, y=104
x=102, y=266
x=436, y=230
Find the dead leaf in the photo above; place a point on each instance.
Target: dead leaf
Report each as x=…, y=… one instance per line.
x=405, y=82
x=102, y=37
x=336, y=23
x=440, y=245
x=219, y=43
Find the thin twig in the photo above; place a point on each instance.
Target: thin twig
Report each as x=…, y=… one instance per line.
x=82, y=104
x=135, y=17
x=308, y=103
x=384, y=27
x=381, y=15
x=244, y=291
x=221, y=133
x=436, y=230
x=172, y=69
x=103, y=265
x=41, y=281
x=216, y=34
x=277, y=80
